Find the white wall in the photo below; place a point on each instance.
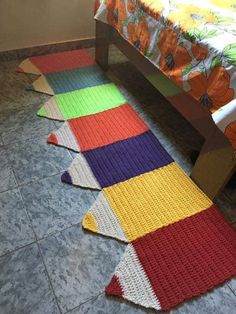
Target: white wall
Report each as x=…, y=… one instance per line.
x=29, y=23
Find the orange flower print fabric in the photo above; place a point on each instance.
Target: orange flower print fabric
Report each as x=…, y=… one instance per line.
x=199, y=52
x=213, y=91
x=116, y=14
x=174, y=57
x=139, y=35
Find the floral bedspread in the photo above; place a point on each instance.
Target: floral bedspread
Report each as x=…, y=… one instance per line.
x=192, y=42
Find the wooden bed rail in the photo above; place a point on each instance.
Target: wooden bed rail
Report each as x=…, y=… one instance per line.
x=217, y=161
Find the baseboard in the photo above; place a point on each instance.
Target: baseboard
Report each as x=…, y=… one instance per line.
x=44, y=49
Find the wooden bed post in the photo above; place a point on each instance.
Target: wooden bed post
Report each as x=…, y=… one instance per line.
x=215, y=164
x=103, y=36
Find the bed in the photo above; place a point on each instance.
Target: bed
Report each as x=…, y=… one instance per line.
x=187, y=50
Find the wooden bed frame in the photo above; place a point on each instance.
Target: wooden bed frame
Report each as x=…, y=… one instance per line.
x=217, y=161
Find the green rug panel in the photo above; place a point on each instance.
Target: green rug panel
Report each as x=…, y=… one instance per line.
x=89, y=100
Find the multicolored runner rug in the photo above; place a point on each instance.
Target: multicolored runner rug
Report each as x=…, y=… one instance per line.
x=179, y=245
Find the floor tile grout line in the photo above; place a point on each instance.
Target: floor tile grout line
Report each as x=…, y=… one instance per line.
x=29, y=138
x=49, y=279
x=17, y=249
x=84, y=302
x=234, y=292
x=78, y=224
x=4, y=145
x=9, y=189
x=37, y=242
x=12, y=169
x=41, y=255
x=26, y=140
x=28, y=216
x=6, y=97
x=37, y=239
x=41, y=179
x=30, y=182
x=22, y=141
x=27, y=213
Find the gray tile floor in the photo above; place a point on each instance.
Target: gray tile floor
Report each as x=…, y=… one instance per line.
x=48, y=264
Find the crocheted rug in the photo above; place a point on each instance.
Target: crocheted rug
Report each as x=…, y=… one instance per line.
x=179, y=245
